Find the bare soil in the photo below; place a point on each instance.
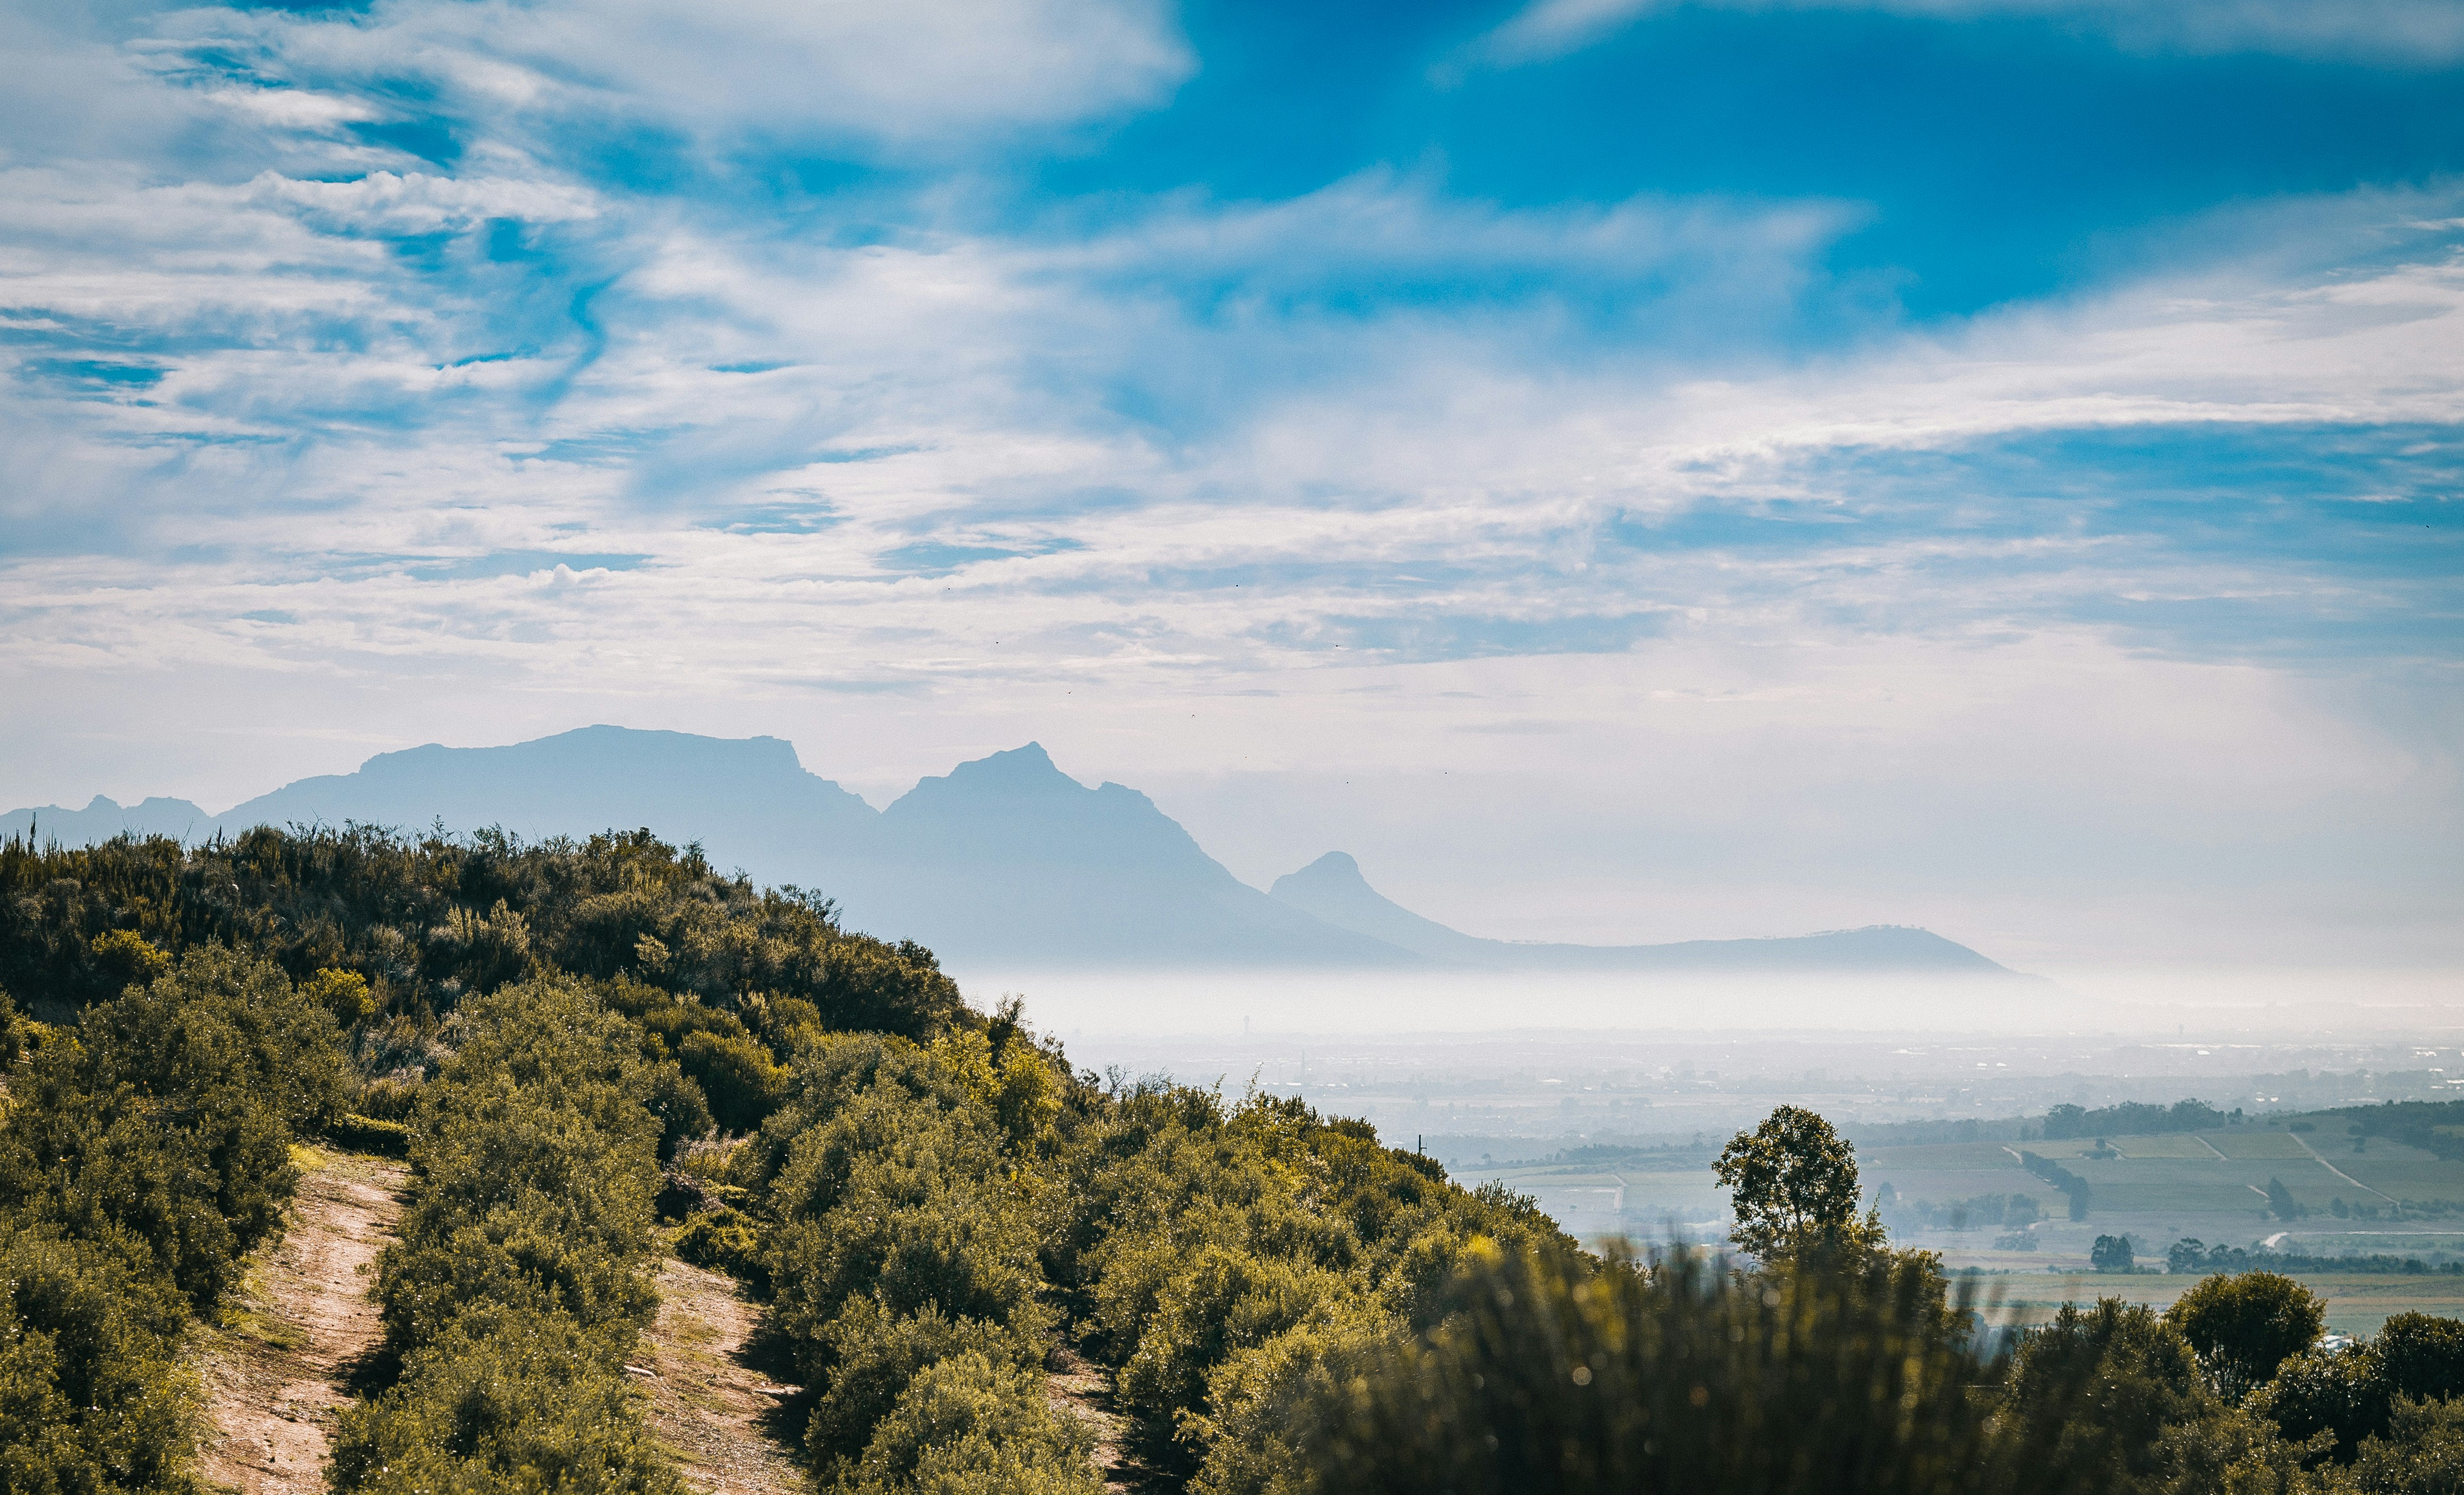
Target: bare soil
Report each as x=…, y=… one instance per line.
x=730, y=1425
x=1079, y=1388
x=277, y=1367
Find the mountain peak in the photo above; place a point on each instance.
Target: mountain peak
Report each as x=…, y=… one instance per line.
x=1332, y=869
x=1020, y=771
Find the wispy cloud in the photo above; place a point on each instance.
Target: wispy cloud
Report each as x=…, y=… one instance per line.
x=2424, y=33
x=441, y=353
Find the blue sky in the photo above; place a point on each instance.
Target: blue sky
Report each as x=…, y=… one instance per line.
x=1622, y=469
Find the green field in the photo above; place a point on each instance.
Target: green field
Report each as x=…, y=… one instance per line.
x=2356, y=1305
x=2156, y=1190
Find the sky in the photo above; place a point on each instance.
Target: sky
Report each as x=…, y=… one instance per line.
x=1623, y=470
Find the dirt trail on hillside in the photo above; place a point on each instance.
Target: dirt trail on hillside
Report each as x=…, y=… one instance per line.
x=274, y=1369
x=1079, y=1389
x=727, y=1423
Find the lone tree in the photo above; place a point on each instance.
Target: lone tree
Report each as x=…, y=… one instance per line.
x=2242, y=1327
x=1794, y=1183
x=2112, y=1254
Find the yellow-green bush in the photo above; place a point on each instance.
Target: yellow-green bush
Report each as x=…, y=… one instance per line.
x=724, y=1241
x=522, y=1275
x=92, y=1394
x=504, y=1399
x=970, y=1425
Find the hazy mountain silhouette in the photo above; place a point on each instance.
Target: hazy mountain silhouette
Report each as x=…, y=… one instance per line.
x=1007, y=857
x=1004, y=859
x=748, y=800
x=1334, y=888
x=102, y=819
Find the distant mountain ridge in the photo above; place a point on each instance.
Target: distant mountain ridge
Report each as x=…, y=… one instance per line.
x=1003, y=859
x=1334, y=888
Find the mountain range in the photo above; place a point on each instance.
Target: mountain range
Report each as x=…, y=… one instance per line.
x=1004, y=859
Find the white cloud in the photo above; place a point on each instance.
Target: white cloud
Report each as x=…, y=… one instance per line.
x=1119, y=482
x=907, y=74
x=2403, y=31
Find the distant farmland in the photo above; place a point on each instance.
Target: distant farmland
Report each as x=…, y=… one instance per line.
x=2210, y=1185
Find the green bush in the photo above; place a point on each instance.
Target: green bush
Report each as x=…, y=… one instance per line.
x=872, y=1354
x=2243, y=1327
x=430, y=920
x=522, y=1275
x=1222, y=1302
x=534, y=1169
x=170, y=1115
x=504, y=1399
x=93, y=1393
x=744, y=1086
x=724, y=1241
x=1679, y=1377
x=358, y=1133
x=970, y=1426
x=1257, y=1394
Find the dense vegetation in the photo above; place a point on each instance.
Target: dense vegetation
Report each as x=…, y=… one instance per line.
x=2135, y=1118
x=934, y=1208
x=142, y=1157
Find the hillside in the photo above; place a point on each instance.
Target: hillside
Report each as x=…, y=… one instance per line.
x=706, y=1191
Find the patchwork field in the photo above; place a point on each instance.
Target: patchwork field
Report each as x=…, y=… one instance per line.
x=2211, y=1186
x=2356, y=1305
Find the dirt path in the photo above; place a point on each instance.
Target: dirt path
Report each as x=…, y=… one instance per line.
x=728, y=1423
x=1078, y=1387
x=2304, y=1144
x=273, y=1370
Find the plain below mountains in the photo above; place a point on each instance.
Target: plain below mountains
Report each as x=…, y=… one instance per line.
x=1005, y=859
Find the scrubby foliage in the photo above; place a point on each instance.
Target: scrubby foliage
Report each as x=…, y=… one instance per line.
x=144, y=1154
x=565, y=1038
x=937, y=1219
x=426, y=921
x=1674, y=1376
x=523, y=1276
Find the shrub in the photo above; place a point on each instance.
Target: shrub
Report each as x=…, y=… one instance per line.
x=92, y=1394
x=369, y=1135
x=1256, y=1398
x=1673, y=1378
x=521, y=1277
x=171, y=1117
x=344, y=994
x=968, y=1426
x=724, y=1241
x=1222, y=1302
x=2243, y=1327
x=504, y=1399
x=737, y=1074
x=873, y=1356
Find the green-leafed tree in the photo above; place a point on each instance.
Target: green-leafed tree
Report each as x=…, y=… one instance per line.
x=1792, y=1183
x=2243, y=1327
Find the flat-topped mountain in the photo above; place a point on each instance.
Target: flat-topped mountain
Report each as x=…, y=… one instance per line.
x=1005, y=860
